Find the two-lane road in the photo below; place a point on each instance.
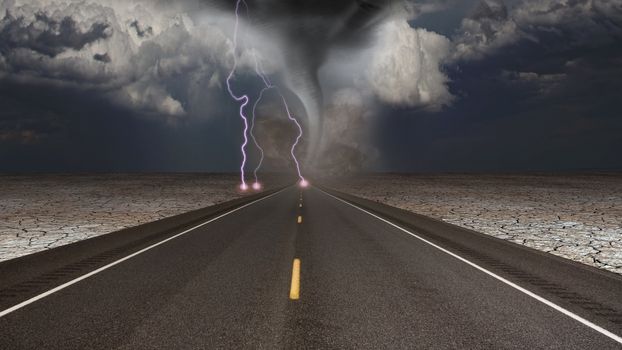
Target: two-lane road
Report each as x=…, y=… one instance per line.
x=363, y=283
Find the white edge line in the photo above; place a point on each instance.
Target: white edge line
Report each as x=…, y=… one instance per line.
x=492, y=274
x=105, y=267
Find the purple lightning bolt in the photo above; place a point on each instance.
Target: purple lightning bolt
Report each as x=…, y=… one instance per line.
x=303, y=182
x=243, y=99
x=257, y=185
x=268, y=86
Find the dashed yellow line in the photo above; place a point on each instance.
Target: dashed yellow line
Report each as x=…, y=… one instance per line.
x=300, y=219
x=294, y=291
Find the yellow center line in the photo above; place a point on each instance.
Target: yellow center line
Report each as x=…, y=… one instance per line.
x=294, y=291
x=300, y=219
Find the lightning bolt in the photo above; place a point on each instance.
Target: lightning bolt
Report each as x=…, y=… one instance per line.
x=268, y=85
x=302, y=182
x=243, y=98
x=257, y=185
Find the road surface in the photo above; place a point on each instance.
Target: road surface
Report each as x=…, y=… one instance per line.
x=303, y=269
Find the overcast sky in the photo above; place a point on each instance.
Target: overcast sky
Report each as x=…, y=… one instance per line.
x=401, y=85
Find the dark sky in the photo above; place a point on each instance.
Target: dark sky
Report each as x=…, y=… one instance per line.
x=536, y=89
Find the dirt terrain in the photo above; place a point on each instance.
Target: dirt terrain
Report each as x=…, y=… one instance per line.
x=39, y=212
x=578, y=217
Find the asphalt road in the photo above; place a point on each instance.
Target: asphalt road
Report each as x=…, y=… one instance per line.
x=364, y=283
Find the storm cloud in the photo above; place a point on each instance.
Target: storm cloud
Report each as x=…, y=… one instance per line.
x=139, y=55
x=46, y=35
x=348, y=66
x=554, y=24
x=163, y=58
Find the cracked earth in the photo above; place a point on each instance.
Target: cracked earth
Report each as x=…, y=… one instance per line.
x=578, y=217
x=46, y=211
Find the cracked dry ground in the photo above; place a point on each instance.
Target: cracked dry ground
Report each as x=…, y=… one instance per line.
x=45, y=211
x=578, y=217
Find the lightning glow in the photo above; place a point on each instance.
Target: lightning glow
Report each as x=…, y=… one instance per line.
x=252, y=133
x=290, y=117
x=243, y=98
x=268, y=85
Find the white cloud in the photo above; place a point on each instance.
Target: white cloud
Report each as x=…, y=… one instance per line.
x=406, y=67
x=131, y=51
x=487, y=30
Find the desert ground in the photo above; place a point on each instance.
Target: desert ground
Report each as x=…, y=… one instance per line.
x=40, y=212
x=578, y=217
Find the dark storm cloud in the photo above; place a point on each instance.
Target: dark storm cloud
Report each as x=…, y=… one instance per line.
x=537, y=85
x=554, y=25
x=550, y=47
x=490, y=10
x=310, y=28
x=70, y=129
x=539, y=88
x=159, y=62
x=24, y=123
x=47, y=35
x=317, y=23
x=166, y=60
x=515, y=121
x=102, y=57
x=140, y=31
